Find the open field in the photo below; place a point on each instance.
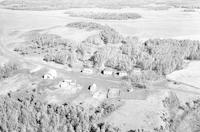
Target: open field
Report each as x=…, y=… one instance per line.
x=112, y=99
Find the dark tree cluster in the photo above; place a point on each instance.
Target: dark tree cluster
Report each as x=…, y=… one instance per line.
x=28, y=114
x=106, y=15
x=52, y=47
x=89, y=26
x=166, y=55
x=107, y=34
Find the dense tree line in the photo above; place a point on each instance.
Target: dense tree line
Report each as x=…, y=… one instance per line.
x=52, y=47
x=89, y=26
x=166, y=55
x=106, y=16
x=107, y=34
x=28, y=114
x=162, y=56
x=181, y=117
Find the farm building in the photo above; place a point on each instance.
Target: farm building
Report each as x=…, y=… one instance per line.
x=87, y=71
x=93, y=88
x=113, y=93
x=130, y=90
x=100, y=95
x=69, y=85
x=107, y=71
x=122, y=74
x=51, y=74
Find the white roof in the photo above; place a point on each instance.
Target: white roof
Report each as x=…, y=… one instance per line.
x=52, y=72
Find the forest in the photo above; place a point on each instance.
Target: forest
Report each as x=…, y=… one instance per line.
x=28, y=113
x=155, y=57
x=106, y=16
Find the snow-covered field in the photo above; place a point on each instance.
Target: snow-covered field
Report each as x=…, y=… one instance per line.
x=172, y=23
x=190, y=75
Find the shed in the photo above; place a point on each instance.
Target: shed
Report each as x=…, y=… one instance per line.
x=51, y=74
x=113, y=93
x=122, y=73
x=107, y=72
x=93, y=88
x=87, y=71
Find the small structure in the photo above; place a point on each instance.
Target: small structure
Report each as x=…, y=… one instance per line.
x=122, y=74
x=87, y=71
x=113, y=93
x=130, y=90
x=107, y=71
x=93, y=88
x=51, y=74
x=100, y=95
x=69, y=85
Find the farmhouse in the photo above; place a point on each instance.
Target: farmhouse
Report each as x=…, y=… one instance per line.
x=113, y=93
x=107, y=71
x=122, y=74
x=93, y=88
x=51, y=74
x=87, y=71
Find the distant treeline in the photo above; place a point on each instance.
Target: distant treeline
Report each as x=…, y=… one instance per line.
x=105, y=15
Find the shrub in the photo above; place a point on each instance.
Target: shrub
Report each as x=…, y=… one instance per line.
x=8, y=69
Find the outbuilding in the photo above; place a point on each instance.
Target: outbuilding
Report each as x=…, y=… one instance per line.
x=51, y=74
x=107, y=72
x=113, y=93
x=93, y=88
x=87, y=71
x=122, y=73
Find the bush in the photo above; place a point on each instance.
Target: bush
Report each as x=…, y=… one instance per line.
x=8, y=69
